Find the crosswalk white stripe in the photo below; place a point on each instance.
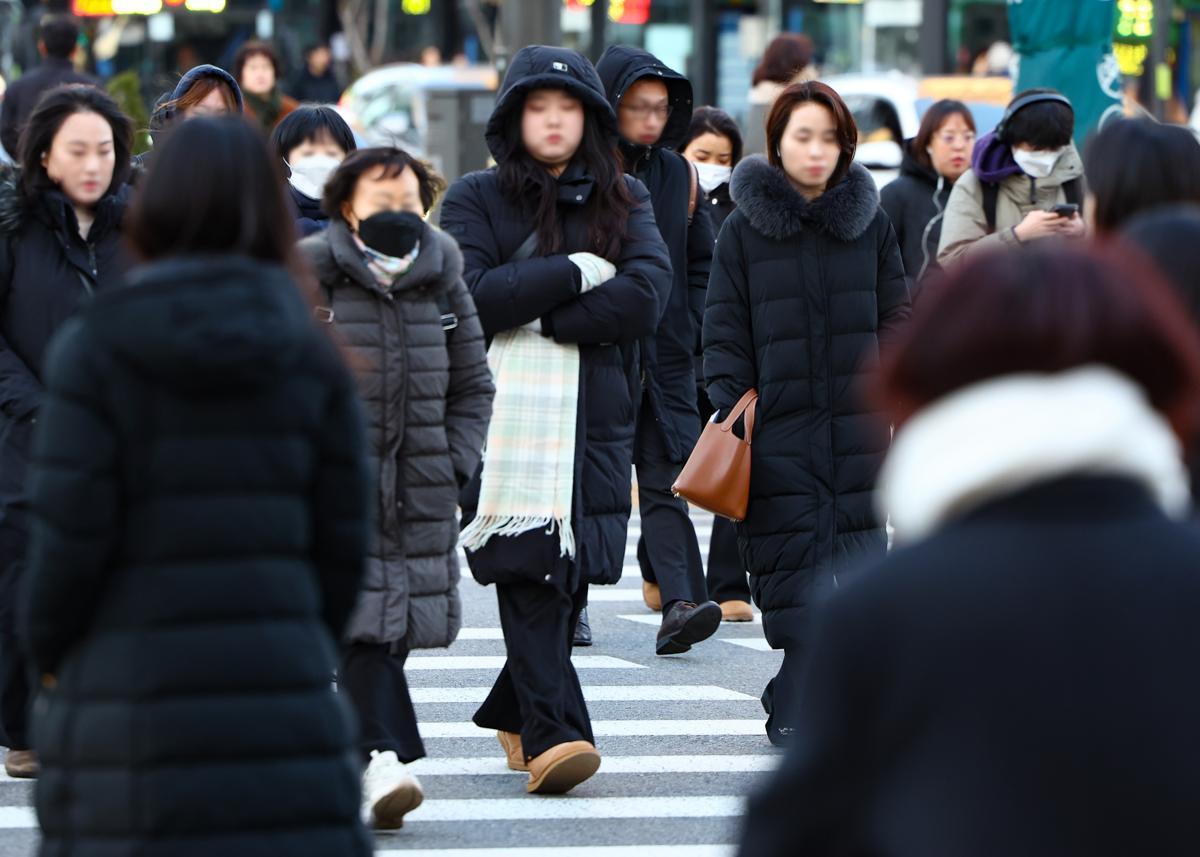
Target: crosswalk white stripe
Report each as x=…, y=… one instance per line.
x=566, y=807
x=17, y=817
x=595, y=693
x=480, y=634
x=655, y=619
x=614, y=728
x=495, y=662
x=756, y=643
x=586, y=851
x=473, y=766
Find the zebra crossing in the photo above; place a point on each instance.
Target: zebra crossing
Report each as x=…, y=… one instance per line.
x=682, y=742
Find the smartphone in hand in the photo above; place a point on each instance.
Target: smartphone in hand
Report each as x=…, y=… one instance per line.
x=1066, y=209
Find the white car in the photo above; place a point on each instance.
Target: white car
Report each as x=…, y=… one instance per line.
x=888, y=108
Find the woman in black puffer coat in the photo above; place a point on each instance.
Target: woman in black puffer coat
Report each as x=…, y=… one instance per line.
x=916, y=201
x=558, y=242
x=391, y=285
x=807, y=282
x=199, y=502
x=60, y=244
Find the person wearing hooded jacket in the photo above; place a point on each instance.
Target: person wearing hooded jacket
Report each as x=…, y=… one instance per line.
x=654, y=109
x=1032, y=166
x=568, y=272
x=60, y=244
x=916, y=201
x=204, y=90
x=392, y=289
x=807, y=287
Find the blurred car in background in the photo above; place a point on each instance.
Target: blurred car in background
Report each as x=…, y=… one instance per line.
x=888, y=108
x=390, y=106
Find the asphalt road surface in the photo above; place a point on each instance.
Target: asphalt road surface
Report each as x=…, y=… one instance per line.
x=681, y=737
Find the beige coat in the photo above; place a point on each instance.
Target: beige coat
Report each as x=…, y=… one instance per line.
x=964, y=229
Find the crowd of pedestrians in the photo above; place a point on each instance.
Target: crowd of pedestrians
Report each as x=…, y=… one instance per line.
x=253, y=400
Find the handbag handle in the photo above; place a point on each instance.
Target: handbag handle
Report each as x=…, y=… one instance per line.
x=744, y=404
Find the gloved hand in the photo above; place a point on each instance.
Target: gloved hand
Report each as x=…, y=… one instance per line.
x=594, y=269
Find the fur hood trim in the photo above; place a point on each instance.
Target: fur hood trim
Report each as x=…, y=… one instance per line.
x=10, y=200
x=777, y=210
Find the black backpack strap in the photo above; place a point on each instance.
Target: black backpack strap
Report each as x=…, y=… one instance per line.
x=991, y=198
x=449, y=319
x=1074, y=192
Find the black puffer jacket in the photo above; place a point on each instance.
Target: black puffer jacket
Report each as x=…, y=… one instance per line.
x=802, y=294
x=47, y=271
x=605, y=322
x=915, y=205
x=428, y=396
x=670, y=355
x=200, y=525
x=310, y=219
x=720, y=206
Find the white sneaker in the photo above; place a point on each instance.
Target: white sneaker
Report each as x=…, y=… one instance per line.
x=390, y=792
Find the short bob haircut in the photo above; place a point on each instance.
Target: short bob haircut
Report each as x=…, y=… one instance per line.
x=1136, y=165
x=813, y=92
x=311, y=123
x=392, y=162
x=255, y=49
x=712, y=120
x=1042, y=125
x=938, y=114
x=785, y=57
x=60, y=35
x=54, y=108
x=1050, y=308
x=235, y=197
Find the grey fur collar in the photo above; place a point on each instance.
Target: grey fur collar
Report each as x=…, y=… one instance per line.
x=777, y=210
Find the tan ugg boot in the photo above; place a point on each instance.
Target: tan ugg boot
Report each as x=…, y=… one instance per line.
x=562, y=767
x=511, y=742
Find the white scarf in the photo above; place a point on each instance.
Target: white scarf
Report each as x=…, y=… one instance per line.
x=1000, y=436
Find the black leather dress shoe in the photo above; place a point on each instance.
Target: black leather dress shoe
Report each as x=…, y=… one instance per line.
x=686, y=624
x=583, y=631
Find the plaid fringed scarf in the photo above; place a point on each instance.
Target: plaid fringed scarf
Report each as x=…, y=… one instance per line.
x=529, y=461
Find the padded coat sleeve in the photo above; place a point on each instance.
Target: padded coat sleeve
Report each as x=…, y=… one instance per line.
x=730, y=368
x=891, y=289
x=469, y=398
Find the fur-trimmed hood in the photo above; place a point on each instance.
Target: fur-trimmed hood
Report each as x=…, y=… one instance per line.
x=777, y=210
x=10, y=200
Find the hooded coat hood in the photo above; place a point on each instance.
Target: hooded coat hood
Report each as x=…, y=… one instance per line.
x=622, y=66
x=546, y=67
x=246, y=340
x=910, y=166
x=777, y=210
x=163, y=114
x=992, y=160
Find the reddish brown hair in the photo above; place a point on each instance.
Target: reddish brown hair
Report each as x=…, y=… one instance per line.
x=813, y=92
x=198, y=91
x=786, y=56
x=1048, y=309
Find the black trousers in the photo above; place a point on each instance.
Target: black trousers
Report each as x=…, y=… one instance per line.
x=537, y=694
x=372, y=677
x=726, y=578
x=16, y=686
x=781, y=699
x=667, y=551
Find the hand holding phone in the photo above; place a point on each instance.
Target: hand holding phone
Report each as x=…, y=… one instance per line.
x=1066, y=209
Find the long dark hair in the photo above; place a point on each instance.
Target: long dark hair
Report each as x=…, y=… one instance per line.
x=55, y=107
x=525, y=180
x=213, y=189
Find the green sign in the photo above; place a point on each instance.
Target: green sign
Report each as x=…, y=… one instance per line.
x=1067, y=45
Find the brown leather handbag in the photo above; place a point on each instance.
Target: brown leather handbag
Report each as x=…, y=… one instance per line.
x=717, y=474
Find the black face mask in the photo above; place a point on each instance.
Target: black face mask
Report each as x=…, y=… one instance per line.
x=392, y=233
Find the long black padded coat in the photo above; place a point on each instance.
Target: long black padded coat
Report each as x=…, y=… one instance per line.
x=669, y=356
x=606, y=323
x=428, y=396
x=199, y=498
x=801, y=295
x=47, y=272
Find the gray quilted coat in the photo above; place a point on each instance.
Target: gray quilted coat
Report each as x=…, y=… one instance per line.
x=428, y=397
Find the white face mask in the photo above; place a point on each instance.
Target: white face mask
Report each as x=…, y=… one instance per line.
x=309, y=175
x=1039, y=165
x=712, y=176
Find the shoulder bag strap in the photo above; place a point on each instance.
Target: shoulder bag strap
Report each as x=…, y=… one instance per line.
x=991, y=199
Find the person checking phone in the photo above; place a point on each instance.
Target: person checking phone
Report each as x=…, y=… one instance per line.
x=1025, y=182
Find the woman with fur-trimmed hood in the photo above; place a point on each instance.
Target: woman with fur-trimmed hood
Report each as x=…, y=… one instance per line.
x=807, y=280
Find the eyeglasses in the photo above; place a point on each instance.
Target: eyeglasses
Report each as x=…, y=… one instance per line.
x=645, y=111
x=950, y=138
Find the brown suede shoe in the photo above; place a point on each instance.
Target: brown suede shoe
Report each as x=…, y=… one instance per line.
x=511, y=742
x=736, y=611
x=652, y=595
x=22, y=764
x=562, y=767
